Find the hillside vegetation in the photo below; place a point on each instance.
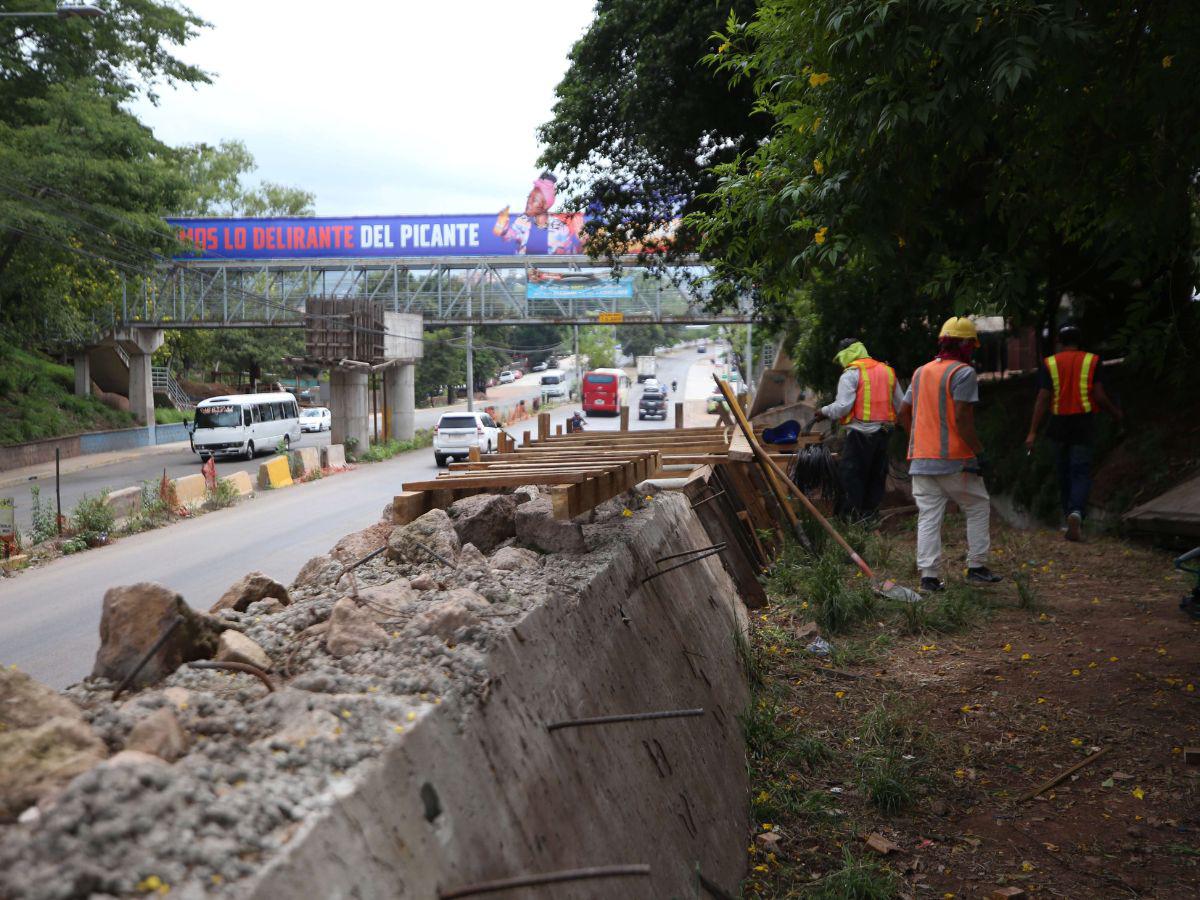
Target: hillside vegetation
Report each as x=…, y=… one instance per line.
x=36, y=400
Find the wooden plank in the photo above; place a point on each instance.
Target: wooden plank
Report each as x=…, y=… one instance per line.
x=408, y=506
x=561, y=500
x=487, y=481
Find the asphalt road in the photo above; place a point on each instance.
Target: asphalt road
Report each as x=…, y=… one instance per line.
x=49, y=616
x=149, y=465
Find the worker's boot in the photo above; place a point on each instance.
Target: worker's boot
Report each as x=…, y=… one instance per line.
x=1075, y=526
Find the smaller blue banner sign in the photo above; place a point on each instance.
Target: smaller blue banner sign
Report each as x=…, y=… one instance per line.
x=599, y=289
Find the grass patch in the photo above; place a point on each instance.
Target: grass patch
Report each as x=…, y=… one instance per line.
x=37, y=400
x=169, y=416
x=857, y=879
x=382, y=450
x=959, y=606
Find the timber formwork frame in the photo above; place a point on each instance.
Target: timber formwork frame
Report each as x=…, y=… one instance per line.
x=447, y=291
x=731, y=497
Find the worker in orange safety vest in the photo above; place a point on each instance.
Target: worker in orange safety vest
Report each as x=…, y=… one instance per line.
x=1070, y=389
x=868, y=396
x=945, y=454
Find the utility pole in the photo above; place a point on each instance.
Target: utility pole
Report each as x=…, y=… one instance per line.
x=578, y=365
x=749, y=373
x=470, y=368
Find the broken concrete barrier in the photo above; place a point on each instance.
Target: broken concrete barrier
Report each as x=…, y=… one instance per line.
x=485, y=520
x=190, y=490
x=333, y=456
x=44, y=742
x=304, y=461
x=352, y=629
x=434, y=531
x=133, y=617
x=536, y=527
x=241, y=482
x=124, y=503
x=274, y=473
x=509, y=559
x=236, y=647
x=159, y=734
x=251, y=588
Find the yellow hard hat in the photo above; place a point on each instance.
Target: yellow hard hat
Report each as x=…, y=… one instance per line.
x=960, y=327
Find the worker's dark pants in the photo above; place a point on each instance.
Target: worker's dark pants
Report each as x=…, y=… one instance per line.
x=1074, y=463
x=863, y=469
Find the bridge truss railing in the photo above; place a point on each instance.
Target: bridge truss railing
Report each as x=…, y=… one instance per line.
x=452, y=291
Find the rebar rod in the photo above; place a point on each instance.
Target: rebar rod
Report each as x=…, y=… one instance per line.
x=236, y=667
x=627, y=717
x=687, y=562
x=154, y=648
x=663, y=559
x=504, y=884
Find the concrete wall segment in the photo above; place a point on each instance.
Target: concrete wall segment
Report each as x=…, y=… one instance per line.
x=516, y=799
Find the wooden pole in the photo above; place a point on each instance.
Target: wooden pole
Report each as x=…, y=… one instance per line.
x=624, y=418
x=678, y=414
x=543, y=425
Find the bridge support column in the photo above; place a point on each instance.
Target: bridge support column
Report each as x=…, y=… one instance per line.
x=400, y=389
x=141, y=391
x=350, y=409
x=83, y=374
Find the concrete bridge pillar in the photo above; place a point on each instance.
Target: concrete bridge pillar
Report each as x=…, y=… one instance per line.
x=141, y=391
x=83, y=374
x=140, y=345
x=349, y=408
x=400, y=388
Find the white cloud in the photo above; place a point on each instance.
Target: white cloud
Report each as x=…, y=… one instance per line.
x=379, y=107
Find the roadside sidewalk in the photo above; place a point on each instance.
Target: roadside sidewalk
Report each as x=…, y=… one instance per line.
x=14, y=477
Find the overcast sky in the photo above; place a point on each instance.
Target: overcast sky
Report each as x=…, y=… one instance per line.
x=408, y=106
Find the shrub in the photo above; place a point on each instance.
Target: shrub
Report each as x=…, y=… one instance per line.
x=44, y=525
x=224, y=495
x=92, y=519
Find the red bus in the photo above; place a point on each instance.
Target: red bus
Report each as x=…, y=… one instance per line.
x=605, y=390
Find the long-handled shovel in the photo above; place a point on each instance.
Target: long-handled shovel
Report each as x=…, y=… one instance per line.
x=886, y=588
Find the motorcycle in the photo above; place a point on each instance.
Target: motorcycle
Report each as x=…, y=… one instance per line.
x=575, y=423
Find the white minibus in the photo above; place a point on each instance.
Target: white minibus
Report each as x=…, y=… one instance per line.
x=245, y=424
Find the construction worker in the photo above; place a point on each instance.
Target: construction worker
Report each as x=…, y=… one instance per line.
x=945, y=454
x=866, y=403
x=1069, y=387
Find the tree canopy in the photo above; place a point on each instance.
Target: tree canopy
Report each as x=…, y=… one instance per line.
x=639, y=118
x=961, y=156
x=82, y=182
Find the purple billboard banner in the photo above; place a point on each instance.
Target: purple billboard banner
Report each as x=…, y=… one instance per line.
x=381, y=236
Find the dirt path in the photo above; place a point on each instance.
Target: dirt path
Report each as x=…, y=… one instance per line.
x=927, y=729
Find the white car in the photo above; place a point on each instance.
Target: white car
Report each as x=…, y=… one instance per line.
x=457, y=432
x=318, y=418
x=507, y=377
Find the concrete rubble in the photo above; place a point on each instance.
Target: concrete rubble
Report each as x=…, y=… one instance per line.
x=249, y=589
x=405, y=749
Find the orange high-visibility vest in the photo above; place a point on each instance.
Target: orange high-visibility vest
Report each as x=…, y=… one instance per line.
x=876, y=385
x=1073, y=376
x=934, y=433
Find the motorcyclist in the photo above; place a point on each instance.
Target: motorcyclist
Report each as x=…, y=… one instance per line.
x=576, y=422
x=674, y=386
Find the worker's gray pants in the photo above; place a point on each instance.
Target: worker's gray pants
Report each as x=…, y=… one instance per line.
x=931, y=493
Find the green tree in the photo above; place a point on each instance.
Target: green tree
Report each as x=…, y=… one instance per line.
x=598, y=344
x=962, y=156
x=82, y=181
x=216, y=178
x=638, y=118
